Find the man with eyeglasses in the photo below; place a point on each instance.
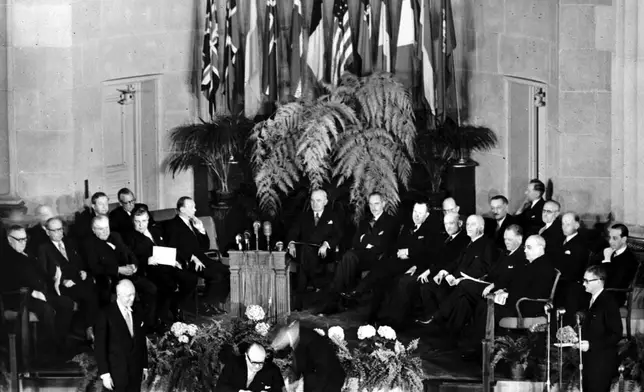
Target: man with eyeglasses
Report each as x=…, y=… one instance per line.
x=601, y=331
x=38, y=232
x=23, y=271
x=82, y=227
x=552, y=231
x=250, y=373
x=59, y=256
x=121, y=216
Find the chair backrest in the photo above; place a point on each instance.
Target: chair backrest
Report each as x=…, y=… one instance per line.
x=211, y=229
x=554, y=285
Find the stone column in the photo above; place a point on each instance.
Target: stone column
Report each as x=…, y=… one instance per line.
x=627, y=164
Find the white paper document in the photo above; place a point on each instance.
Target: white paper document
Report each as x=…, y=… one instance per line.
x=164, y=255
x=466, y=276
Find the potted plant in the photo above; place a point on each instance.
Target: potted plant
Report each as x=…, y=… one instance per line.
x=513, y=351
x=631, y=369
x=360, y=133
x=217, y=144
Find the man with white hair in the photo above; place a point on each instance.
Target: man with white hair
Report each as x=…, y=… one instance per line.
x=474, y=262
x=38, y=233
x=121, y=352
x=250, y=372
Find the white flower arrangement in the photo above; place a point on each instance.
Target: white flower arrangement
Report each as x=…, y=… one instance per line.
x=336, y=333
x=387, y=332
x=192, y=329
x=262, y=328
x=366, y=332
x=183, y=339
x=319, y=331
x=255, y=313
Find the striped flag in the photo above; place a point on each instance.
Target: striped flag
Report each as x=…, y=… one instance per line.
x=231, y=59
x=210, y=56
x=297, y=45
x=383, y=55
x=342, y=49
x=365, y=49
x=446, y=76
x=269, y=72
x=252, y=66
x=427, y=55
x=315, y=54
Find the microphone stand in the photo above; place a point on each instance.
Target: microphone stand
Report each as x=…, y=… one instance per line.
x=560, y=313
x=581, y=360
x=547, y=308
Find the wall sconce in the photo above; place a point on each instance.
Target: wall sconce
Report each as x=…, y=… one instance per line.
x=127, y=95
x=540, y=98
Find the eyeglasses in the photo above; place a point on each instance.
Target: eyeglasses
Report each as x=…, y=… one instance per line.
x=23, y=239
x=253, y=362
x=586, y=281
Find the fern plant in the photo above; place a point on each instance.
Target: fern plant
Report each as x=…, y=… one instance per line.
x=361, y=133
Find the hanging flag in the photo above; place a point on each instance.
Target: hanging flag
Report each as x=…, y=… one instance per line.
x=365, y=50
x=405, y=44
x=315, y=54
x=383, y=55
x=269, y=73
x=427, y=55
x=297, y=45
x=446, y=77
x=210, y=57
x=342, y=49
x=230, y=56
x=252, y=66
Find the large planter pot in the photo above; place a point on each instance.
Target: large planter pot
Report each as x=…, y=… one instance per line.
x=518, y=372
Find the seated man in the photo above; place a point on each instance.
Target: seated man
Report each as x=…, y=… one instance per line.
x=21, y=270
x=110, y=260
x=173, y=283
x=502, y=220
x=619, y=261
x=552, y=232
x=187, y=234
x=459, y=308
x=250, y=372
x=60, y=253
x=318, y=233
x=373, y=244
x=474, y=262
x=82, y=227
x=406, y=288
x=38, y=233
x=534, y=280
x=121, y=216
x=571, y=260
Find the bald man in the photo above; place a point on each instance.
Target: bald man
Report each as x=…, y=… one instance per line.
x=121, y=352
x=251, y=372
x=38, y=232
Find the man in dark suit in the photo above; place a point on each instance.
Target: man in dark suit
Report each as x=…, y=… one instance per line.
x=121, y=216
x=571, y=260
x=372, y=245
x=173, y=283
x=187, y=234
x=551, y=231
x=406, y=288
x=110, y=260
x=619, y=261
x=121, y=351
x=474, y=261
x=502, y=220
x=530, y=214
x=38, y=233
x=60, y=253
x=20, y=270
x=82, y=227
x=601, y=331
x=314, y=358
x=455, y=312
x=250, y=373
x=318, y=233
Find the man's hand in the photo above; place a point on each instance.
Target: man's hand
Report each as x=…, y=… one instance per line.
x=68, y=283
x=500, y=297
x=39, y=295
x=439, y=276
x=403, y=254
x=487, y=290
x=152, y=260
x=608, y=252
x=451, y=280
x=291, y=250
x=177, y=265
x=585, y=345
x=107, y=381
x=83, y=275
x=423, y=277
x=411, y=271
x=323, y=249
x=146, y=373
x=198, y=264
x=133, y=267
x=58, y=274
x=198, y=224
x=126, y=270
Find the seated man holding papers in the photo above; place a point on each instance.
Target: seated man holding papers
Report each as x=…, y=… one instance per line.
x=159, y=263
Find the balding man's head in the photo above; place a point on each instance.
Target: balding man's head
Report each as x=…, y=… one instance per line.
x=101, y=227
x=255, y=356
x=318, y=200
x=125, y=293
x=535, y=247
x=43, y=213
x=449, y=205
x=452, y=223
x=570, y=223
x=474, y=226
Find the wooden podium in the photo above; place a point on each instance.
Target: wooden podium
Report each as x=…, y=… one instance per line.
x=257, y=277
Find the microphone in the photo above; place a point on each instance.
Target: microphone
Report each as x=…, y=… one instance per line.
x=547, y=307
x=561, y=312
x=580, y=317
x=247, y=239
x=238, y=239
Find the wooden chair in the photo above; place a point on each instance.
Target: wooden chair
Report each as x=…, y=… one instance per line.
x=626, y=309
x=23, y=319
x=517, y=323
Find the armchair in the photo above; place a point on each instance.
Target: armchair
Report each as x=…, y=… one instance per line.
x=626, y=309
x=22, y=319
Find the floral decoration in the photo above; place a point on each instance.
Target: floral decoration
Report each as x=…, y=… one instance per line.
x=567, y=335
x=387, y=332
x=366, y=332
x=255, y=313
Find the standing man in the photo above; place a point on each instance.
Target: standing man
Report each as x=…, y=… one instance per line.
x=187, y=234
x=551, y=231
x=531, y=214
x=619, y=262
x=82, y=227
x=38, y=233
x=601, y=330
x=502, y=220
x=121, y=216
x=250, y=373
x=318, y=233
x=121, y=351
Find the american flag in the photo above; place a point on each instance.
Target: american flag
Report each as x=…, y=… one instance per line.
x=230, y=56
x=210, y=57
x=342, y=48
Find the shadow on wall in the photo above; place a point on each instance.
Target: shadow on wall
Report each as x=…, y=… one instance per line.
x=64, y=206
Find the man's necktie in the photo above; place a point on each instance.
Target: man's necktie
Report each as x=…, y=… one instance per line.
x=416, y=228
x=149, y=235
x=128, y=321
x=372, y=223
x=448, y=239
x=316, y=218
x=61, y=248
x=541, y=230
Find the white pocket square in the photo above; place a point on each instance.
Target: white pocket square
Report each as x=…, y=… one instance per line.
x=567, y=252
x=420, y=237
x=330, y=222
x=142, y=323
x=510, y=266
x=381, y=233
